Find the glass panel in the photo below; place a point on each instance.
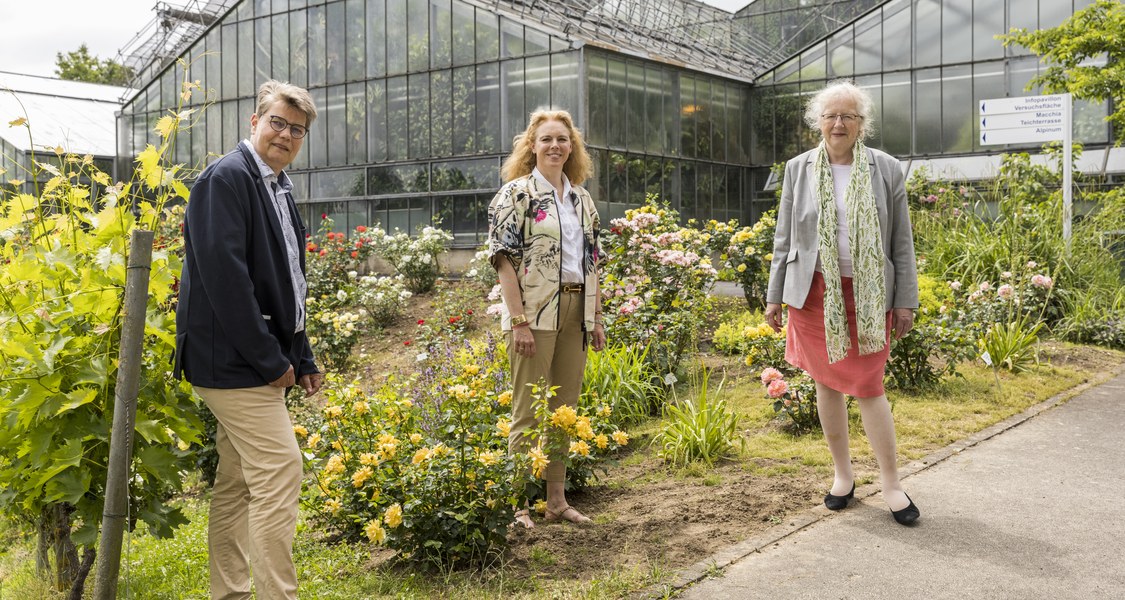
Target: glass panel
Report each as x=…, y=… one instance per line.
x=515, y=113
x=616, y=102
x=927, y=33
x=230, y=60
x=813, y=63
x=868, y=45
x=957, y=31
x=419, y=117
x=418, y=35
x=262, y=7
x=688, y=190
x=1020, y=72
x=335, y=53
x=335, y=126
x=988, y=82
x=357, y=123
x=488, y=106
x=298, y=49
x=617, y=184
x=841, y=55
x=421, y=213
x=350, y=183
x=488, y=36
x=737, y=100
x=357, y=214
x=896, y=37
x=536, y=42
x=198, y=145
x=565, y=85
x=635, y=105
x=511, y=38
x=927, y=111
x=396, y=118
x=1024, y=14
x=378, y=212
x=377, y=121
x=464, y=34
x=704, y=116
x=400, y=179
x=396, y=37
x=720, y=127
x=988, y=20
x=689, y=111
x=635, y=167
x=1053, y=12
x=214, y=124
x=317, y=53
x=896, y=114
x=398, y=215
x=316, y=140
x=653, y=110
x=263, y=68
x=337, y=211
x=440, y=33
x=470, y=216
x=789, y=71
x=670, y=87
x=537, y=83
x=596, y=99
x=376, y=38
x=957, y=108
x=441, y=115
x=464, y=117
x=873, y=84
x=1089, y=122
x=477, y=174
x=354, y=39
x=280, y=47
x=213, y=80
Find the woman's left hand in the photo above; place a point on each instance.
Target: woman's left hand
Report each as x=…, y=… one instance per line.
x=902, y=321
x=597, y=338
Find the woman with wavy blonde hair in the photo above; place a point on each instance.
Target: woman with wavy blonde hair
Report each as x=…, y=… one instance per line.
x=543, y=241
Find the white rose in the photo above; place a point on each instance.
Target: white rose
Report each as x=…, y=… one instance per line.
x=341, y=295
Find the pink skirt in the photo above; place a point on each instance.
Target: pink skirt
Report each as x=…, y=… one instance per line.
x=805, y=346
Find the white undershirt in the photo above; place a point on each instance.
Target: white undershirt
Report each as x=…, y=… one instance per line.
x=841, y=174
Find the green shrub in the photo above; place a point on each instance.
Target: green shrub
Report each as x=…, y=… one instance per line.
x=622, y=378
x=730, y=336
x=795, y=399
x=415, y=258
x=747, y=258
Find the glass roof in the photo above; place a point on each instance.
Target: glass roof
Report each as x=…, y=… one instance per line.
x=80, y=117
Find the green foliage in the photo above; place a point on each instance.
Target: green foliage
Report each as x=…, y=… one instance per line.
x=929, y=353
x=700, y=429
x=1074, y=52
x=583, y=438
x=729, y=335
x=1011, y=345
x=747, y=255
x=796, y=401
x=61, y=294
x=622, y=378
x=656, y=282
x=79, y=65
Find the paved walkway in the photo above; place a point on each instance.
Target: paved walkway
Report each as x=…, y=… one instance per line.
x=1037, y=511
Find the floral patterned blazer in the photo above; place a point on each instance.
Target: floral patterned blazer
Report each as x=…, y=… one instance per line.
x=524, y=229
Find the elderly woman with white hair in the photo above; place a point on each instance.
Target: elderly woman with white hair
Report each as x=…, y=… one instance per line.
x=844, y=263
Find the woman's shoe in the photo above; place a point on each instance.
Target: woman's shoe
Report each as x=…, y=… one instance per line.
x=568, y=513
x=839, y=502
x=908, y=515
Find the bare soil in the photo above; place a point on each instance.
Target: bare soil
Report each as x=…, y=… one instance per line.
x=646, y=516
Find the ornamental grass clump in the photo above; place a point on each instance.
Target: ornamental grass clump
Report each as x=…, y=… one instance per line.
x=698, y=429
x=622, y=378
x=656, y=283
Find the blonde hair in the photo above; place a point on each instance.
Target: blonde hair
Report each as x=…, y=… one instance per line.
x=521, y=161
x=864, y=104
x=298, y=97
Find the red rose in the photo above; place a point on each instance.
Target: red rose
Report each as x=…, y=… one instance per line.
x=361, y=228
x=355, y=254
x=323, y=215
x=421, y=321
x=406, y=343
x=469, y=312
x=323, y=252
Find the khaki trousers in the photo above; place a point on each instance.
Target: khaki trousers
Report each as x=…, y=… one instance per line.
x=560, y=358
x=254, y=501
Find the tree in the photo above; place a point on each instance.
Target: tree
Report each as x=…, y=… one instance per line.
x=1074, y=50
x=79, y=65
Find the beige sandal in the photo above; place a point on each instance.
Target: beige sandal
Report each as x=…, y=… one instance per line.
x=524, y=514
x=569, y=513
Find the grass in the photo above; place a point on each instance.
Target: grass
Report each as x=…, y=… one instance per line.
x=176, y=568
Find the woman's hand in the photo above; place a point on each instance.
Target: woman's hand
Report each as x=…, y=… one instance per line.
x=524, y=341
x=597, y=337
x=773, y=316
x=902, y=321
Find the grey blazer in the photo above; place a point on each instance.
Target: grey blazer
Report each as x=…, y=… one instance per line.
x=795, y=245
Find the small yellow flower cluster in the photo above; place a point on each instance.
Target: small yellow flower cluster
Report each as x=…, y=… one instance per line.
x=375, y=532
x=333, y=506
x=601, y=441
x=300, y=430
x=460, y=391
x=564, y=417
x=361, y=408
x=415, y=438
x=361, y=476
x=393, y=516
x=421, y=455
x=313, y=441
x=488, y=458
x=539, y=462
x=583, y=429
x=334, y=466
x=604, y=411
x=333, y=412
x=368, y=458
x=620, y=438
x=387, y=445
x=505, y=398
x=504, y=426
x=471, y=370
x=580, y=448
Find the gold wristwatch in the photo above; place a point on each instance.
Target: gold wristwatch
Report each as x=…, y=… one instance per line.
x=518, y=320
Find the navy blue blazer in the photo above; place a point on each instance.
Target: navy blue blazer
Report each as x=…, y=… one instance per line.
x=236, y=317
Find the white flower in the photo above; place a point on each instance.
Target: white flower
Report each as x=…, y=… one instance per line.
x=670, y=379
x=352, y=274
x=471, y=273
x=341, y=295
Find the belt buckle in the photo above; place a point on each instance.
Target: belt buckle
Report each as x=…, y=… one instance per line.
x=572, y=288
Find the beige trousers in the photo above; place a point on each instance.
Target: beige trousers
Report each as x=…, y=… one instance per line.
x=254, y=501
x=560, y=358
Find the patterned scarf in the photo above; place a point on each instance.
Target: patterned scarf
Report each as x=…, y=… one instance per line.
x=866, y=243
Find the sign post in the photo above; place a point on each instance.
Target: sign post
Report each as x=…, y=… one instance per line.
x=1033, y=119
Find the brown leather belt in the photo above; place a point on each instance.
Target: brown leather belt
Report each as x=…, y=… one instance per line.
x=572, y=288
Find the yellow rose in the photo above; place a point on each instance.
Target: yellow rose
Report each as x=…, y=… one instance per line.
x=415, y=438
x=601, y=440
x=742, y=268
x=300, y=430
x=539, y=462
x=580, y=448
x=505, y=398
x=583, y=428
x=368, y=458
x=333, y=412
x=620, y=438
x=488, y=458
x=564, y=417
x=314, y=440
x=375, y=532
x=335, y=465
x=393, y=516
x=421, y=455
x=604, y=411
x=361, y=476
x=361, y=408
x=333, y=506
x=471, y=370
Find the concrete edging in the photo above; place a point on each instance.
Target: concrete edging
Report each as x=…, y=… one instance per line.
x=731, y=554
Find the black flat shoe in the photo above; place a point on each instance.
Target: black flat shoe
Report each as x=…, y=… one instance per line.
x=906, y=516
x=840, y=502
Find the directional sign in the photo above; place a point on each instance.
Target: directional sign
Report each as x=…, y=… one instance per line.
x=1023, y=120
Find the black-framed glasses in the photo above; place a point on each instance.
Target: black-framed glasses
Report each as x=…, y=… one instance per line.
x=846, y=118
x=279, y=124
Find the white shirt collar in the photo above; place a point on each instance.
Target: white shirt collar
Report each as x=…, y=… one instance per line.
x=268, y=175
x=566, y=191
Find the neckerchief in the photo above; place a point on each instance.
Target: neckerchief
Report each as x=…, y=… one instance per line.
x=866, y=243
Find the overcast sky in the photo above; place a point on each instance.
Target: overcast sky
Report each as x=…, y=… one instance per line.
x=34, y=31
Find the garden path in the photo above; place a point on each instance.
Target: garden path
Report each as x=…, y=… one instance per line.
x=1030, y=511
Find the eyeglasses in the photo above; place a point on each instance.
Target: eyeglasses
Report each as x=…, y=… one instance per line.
x=847, y=119
x=278, y=124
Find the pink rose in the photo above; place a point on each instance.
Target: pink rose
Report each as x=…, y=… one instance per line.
x=1004, y=291
x=777, y=388
x=770, y=374
x=1042, y=281
x=984, y=287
